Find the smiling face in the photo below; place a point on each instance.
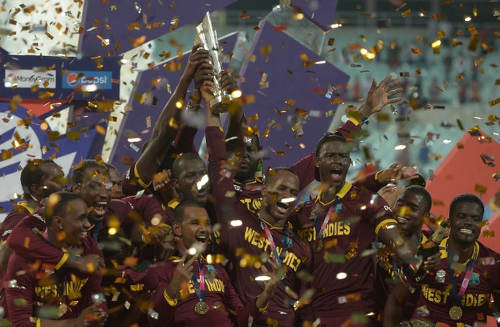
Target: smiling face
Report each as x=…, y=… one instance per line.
x=192, y=182
x=410, y=212
x=333, y=163
x=465, y=222
x=95, y=190
x=195, y=226
x=74, y=223
x=279, y=195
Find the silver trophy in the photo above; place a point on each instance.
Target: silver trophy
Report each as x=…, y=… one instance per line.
x=207, y=37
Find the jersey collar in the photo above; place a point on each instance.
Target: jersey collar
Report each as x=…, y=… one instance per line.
x=444, y=251
x=341, y=193
x=25, y=205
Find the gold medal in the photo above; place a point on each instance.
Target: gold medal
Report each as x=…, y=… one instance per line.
x=201, y=308
x=455, y=312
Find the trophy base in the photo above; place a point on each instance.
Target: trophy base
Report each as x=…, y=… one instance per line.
x=220, y=103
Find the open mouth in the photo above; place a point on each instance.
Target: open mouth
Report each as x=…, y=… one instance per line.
x=336, y=174
x=466, y=231
x=282, y=207
x=202, y=238
x=202, y=183
x=100, y=208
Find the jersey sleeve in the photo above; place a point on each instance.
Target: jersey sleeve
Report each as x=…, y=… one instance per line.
x=19, y=295
x=28, y=243
x=379, y=214
x=370, y=182
x=221, y=178
x=133, y=183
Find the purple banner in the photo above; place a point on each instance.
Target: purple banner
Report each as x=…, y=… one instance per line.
x=295, y=93
x=320, y=12
x=113, y=27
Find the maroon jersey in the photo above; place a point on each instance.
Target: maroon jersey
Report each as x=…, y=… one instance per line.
x=250, y=196
x=248, y=241
x=344, y=269
x=436, y=290
x=27, y=242
x=21, y=210
x=220, y=295
x=390, y=272
x=41, y=288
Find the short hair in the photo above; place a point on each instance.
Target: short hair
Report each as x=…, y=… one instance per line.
x=32, y=173
x=329, y=137
x=179, y=210
x=467, y=197
x=176, y=166
x=57, y=204
x=272, y=171
x=82, y=167
x=419, y=190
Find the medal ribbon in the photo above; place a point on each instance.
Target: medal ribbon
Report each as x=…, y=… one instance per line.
x=321, y=229
x=457, y=295
x=286, y=240
x=200, y=287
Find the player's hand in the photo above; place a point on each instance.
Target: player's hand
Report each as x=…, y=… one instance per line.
x=207, y=91
x=270, y=285
x=204, y=72
x=433, y=261
x=93, y=315
x=182, y=274
x=395, y=173
x=390, y=194
x=381, y=95
x=227, y=82
x=198, y=55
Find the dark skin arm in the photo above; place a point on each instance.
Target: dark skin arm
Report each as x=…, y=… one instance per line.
x=394, y=305
x=237, y=118
x=163, y=133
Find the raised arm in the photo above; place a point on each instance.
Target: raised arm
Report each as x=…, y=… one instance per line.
x=220, y=175
x=166, y=129
x=378, y=97
x=32, y=246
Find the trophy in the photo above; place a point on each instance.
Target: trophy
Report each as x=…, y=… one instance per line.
x=207, y=37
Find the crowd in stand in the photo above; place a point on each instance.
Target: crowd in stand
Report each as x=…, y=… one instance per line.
x=181, y=242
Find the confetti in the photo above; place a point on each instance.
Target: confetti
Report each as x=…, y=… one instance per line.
x=406, y=13
x=494, y=102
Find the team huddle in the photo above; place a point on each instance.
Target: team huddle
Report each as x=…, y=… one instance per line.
x=181, y=242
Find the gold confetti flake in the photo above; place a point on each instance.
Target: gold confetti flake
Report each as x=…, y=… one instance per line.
x=406, y=13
